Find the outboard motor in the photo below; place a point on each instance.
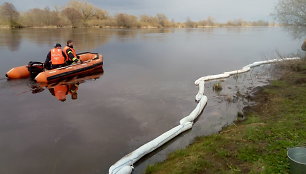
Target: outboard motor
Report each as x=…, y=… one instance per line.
x=35, y=68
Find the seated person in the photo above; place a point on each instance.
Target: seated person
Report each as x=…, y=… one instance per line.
x=70, y=53
x=56, y=58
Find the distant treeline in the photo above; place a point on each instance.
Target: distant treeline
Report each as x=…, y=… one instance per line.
x=83, y=14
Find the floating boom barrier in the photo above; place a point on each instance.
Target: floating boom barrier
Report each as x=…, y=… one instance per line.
x=125, y=164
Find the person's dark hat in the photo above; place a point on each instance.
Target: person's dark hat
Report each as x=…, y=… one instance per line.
x=58, y=45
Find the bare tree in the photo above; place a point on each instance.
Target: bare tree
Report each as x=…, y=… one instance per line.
x=190, y=24
x=163, y=20
x=148, y=21
x=291, y=12
x=101, y=14
x=125, y=20
x=41, y=17
x=9, y=13
x=86, y=9
x=210, y=21
x=52, y=17
x=73, y=16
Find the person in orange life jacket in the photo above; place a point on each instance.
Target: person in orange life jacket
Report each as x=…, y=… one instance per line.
x=71, y=53
x=56, y=58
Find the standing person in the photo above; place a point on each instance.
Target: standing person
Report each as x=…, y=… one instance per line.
x=70, y=53
x=56, y=58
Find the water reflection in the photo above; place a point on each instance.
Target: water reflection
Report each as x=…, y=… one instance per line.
x=10, y=39
x=89, y=41
x=297, y=31
x=61, y=90
x=86, y=39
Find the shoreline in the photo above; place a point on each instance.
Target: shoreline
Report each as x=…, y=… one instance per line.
x=114, y=27
x=255, y=144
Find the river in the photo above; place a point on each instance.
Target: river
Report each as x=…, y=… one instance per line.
x=147, y=86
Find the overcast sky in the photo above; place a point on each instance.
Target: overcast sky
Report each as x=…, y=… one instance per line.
x=179, y=10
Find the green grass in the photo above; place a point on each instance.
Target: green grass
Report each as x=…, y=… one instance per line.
x=256, y=145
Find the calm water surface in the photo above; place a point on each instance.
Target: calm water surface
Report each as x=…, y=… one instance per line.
x=146, y=88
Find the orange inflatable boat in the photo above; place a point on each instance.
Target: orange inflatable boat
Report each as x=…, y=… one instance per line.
x=90, y=62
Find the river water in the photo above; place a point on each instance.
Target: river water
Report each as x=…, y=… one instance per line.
x=147, y=86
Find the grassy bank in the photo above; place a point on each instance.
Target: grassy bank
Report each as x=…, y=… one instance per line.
x=257, y=144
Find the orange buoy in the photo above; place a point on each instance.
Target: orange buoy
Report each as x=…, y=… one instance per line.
x=18, y=73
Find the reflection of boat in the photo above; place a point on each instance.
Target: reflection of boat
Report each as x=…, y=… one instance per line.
x=95, y=74
x=61, y=89
x=91, y=61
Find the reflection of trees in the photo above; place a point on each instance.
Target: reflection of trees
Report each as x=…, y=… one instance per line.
x=85, y=39
x=126, y=33
x=10, y=38
x=297, y=31
x=88, y=39
x=208, y=30
x=122, y=34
